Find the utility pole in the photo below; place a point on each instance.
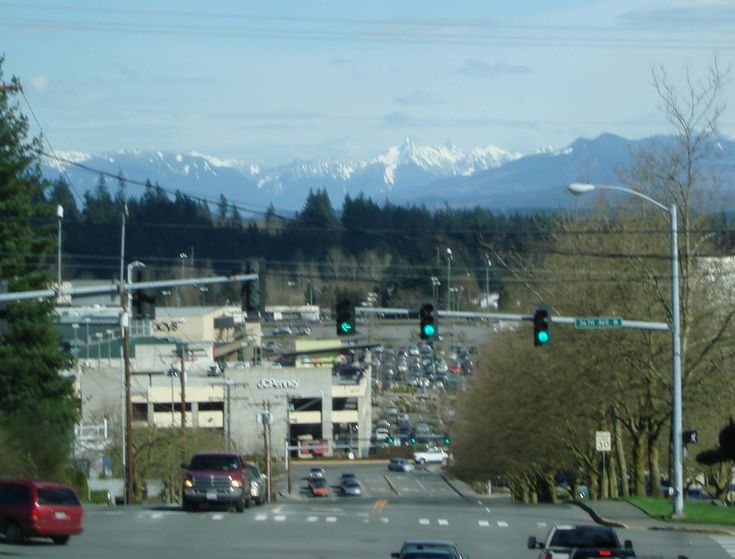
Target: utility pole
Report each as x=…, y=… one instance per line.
x=128, y=433
x=266, y=417
x=288, y=441
x=182, y=352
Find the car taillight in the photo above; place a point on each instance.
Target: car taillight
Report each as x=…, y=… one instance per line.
x=35, y=513
x=188, y=482
x=604, y=553
x=549, y=555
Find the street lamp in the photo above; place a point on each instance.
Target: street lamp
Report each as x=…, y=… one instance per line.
x=60, y=217
x=487, y=280
x=109, y=347
x=98, y=335
x=435, y=283
x=165, y=293
x=449, y=279
x=203, y=291
x=676, y=429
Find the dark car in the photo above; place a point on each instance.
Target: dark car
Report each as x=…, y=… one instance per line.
x=39, y=508
x=400, y=465
x=319, y=487
x=258, y=489
x=428, y=549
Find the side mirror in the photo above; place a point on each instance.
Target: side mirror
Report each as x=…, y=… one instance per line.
x=532, y=543
x=628, y=544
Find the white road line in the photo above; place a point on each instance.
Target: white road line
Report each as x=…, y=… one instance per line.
x=384, y=520
x=502, y=524
x=218, y=516
x=424, y=521
x=479, y=502
x=484, y=523
x=727, y=543
x=443, y=522
x=312, y=518
x=157, y=515
x=331, y=519
x=541, y=524
x=487, y=509
x=279, y=517
x=261, y=517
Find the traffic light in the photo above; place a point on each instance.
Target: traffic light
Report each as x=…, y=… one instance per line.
x=345, y=317
x=144, y=304
x=427, y=322
x=413, y=440
x=390, y=440
x=446, y=440
x=541, y=325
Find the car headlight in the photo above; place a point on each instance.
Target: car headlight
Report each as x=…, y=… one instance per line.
x=254, y=485
x=236, y=483
x=188, y=484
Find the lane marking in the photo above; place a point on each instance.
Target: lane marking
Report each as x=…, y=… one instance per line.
x=443, y=522
x=487, y=509
x=279, y=517
x=541, y=524
x=479, y=502
x=727, y=543
x=484, y=523
x=156, y=515
x=502, y=524
x=261, y=517
x=218, y=516
x=384, y=519
x=331, y=519
x=312, y=518
x=424, y=521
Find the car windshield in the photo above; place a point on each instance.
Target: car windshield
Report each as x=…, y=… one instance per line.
x=226, y=463
x=583, y=538
x=320, y=483
x=57, y=496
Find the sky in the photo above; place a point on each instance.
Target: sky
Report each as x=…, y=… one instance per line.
x=270, y=82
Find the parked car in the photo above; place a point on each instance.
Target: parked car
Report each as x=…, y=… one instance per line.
x=431, y=455
x=316, y=473
x=216, y=478
x=282, y=331
x=381, y=434
x=39, y=509
x=258, y=488
x=428, y=549
x=319, y=487
x=350, y=486
x=400, y=465
x=563, y=539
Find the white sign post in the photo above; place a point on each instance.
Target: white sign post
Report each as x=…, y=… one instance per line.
x=603, y=444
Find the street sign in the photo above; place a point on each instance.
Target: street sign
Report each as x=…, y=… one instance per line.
x=598, y=322
x=603, y=441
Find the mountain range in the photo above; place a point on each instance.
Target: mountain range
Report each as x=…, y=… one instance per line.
x=435, y=176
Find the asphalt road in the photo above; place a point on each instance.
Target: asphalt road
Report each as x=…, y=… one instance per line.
x=374, y=525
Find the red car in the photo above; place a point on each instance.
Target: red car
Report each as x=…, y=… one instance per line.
x=319, y=488
x=39, y=508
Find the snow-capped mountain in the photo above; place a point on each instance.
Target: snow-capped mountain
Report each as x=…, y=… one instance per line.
x=407, y=173
x=405, y=166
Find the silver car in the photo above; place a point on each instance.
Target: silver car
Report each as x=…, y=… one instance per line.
x=351, y=487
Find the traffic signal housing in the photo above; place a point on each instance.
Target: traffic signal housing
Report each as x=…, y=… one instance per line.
x=542, y=325
x=144, y=303
x=427, y=321
x=345, y=317
x=447, y=440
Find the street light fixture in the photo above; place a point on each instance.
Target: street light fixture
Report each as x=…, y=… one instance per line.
x=487, y=280
x=676, y=429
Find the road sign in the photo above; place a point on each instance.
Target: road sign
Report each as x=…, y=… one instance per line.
x=603, y=441
x=598, y=322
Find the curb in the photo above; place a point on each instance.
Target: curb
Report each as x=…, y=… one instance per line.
x=596, y=517
x=389, y=481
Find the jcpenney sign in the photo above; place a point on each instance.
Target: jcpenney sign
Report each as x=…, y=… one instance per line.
x=278, y=383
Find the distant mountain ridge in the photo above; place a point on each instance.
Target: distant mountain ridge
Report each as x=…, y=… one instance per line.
x=489, y=177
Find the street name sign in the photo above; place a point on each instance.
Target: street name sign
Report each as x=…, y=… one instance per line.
x=598, y=322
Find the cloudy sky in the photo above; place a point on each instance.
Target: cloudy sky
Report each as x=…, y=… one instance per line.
x=272, y=81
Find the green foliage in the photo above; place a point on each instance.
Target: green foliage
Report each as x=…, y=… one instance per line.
x=37, y=405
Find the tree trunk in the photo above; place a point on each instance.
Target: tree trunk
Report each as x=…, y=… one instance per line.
x=654, y=466
x=639, y=465
x=620, y=457
x=611, y=475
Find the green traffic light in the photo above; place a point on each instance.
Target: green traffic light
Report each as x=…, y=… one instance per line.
x=346, y=327
x=429, y=330
x=543, y=337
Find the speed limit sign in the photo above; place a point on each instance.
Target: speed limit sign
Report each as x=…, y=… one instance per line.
x=603, y=441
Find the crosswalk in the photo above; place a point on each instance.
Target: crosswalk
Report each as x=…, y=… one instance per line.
x=727, y=543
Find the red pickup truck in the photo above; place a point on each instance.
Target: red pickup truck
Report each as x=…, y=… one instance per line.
x=216, y=478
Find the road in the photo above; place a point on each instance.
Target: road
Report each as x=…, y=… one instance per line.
x=374, y=525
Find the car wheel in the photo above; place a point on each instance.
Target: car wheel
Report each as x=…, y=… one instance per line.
x=422, y=461
x=240, y=505
x=247, y=502
x=60, y=540
x=13, y=535
x=188, y=506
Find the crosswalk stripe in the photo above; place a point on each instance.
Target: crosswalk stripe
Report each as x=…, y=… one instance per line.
x=727, y=543
x=312, y=518
x=279, y=518
x=384, y=520
x=218, y=516
x=424, y=521
x=502, y=524
x=484, y=523
x=443, y=522
x=331, y=519
x=541, y=524
x=261, y=517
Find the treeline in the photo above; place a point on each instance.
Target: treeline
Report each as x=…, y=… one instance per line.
x=391, y=247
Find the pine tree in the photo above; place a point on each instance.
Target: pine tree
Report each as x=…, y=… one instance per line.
x=37, y=405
